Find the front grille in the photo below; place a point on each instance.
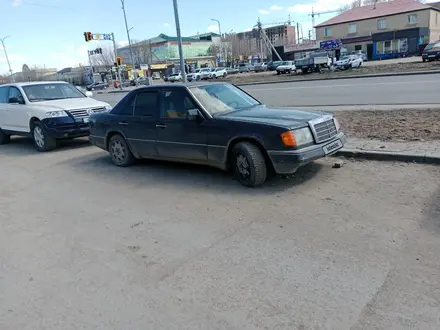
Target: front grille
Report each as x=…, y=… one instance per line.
x=83, y=113
x=325, y=130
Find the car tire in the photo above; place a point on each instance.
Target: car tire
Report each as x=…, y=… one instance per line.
x=278, y=72
x=4, y=138
x=423, y=60
x=42, y=140
x=120, y=152
x=198, y=78
x=249, y=164
x=224, y=75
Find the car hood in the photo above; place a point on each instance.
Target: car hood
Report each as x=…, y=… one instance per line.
x=71, y=104
x=284, y=117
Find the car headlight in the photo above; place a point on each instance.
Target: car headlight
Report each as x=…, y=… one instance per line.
x=297, y=137
x=337, y=124
x=55, y=114
x=108, y=107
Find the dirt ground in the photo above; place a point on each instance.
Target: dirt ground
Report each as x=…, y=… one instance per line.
x=372, y=69
x=392, y=125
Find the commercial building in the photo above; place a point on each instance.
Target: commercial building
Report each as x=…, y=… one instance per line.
x=384, y=30
x=163, y=50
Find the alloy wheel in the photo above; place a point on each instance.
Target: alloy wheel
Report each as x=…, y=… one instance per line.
x=39, y=137
x=117, y=151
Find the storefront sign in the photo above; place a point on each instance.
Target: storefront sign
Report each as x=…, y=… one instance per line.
x=331, y=44
x=309, y=45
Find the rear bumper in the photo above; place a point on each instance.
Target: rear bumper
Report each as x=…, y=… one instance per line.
x=66, y=127
x=288, y=162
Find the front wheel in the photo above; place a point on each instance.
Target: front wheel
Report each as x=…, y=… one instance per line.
x=249, y=164
x=42, y=140
x=120, y=152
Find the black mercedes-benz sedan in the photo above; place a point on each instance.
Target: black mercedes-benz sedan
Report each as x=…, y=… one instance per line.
x=216, y=124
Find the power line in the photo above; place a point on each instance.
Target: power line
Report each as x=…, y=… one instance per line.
x=34, y=4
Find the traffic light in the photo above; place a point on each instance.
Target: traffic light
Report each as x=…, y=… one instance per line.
x=88, y=36
x=118, y=61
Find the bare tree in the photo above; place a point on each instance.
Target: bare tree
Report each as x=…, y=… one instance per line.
x=105, y=60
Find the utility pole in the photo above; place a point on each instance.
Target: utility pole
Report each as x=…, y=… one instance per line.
x=91, y=66
x=116, y=56
x=128, y=34
x=221, y=38
x=6, y=55
x=179, y=38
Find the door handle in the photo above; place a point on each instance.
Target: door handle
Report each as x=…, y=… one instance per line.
x=161, y=126
x=123, y=123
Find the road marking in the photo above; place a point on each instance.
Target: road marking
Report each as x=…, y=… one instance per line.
x=345, y=85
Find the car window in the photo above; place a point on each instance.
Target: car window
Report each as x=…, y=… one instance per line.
x=125, y=109
x=4, y=94
x=147, y=104
x=51, y=91
x=176, y=103
x=14, y=92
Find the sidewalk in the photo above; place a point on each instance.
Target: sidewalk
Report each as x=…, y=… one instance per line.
x=427, y=152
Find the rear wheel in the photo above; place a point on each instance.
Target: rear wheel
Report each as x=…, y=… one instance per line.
x=249, y=164
x=4, y=138
x=120, y=152
x=42, y=140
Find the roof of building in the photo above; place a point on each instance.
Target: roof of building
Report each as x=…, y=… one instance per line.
x=163, y=38
x=379, y=10
x=203, y=35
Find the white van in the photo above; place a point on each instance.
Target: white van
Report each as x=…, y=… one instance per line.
x=45, y=111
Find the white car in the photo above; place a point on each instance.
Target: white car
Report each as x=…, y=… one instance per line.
x=194, y=76
x=349, y=61
x=175, y=77
x=219, y=73
x=45, y=111
x=286, y=67
x=205, y=73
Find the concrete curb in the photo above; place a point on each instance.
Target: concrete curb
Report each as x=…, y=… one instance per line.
x=375, y=75
x=409, y=157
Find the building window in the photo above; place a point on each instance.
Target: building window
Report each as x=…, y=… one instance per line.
x=358, y=47
x=392, y=46
x=328, y=32
x=412, y=19
x=352, y=28
x=382, y=24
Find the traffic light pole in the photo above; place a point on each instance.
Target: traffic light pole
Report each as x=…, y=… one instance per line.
x=116, y=55
x=91, y=67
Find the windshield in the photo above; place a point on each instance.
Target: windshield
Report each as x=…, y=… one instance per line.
x=222, y=98
x=47, y=92
x=343, y=58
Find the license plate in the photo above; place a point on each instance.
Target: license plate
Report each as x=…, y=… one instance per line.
x=85, y=120
x=335, y=145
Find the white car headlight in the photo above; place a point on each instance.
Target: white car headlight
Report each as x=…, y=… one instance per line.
x=108, y=107
x=55, y=114
x=303, y=136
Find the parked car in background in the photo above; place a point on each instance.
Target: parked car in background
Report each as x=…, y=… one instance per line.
x=231, y=70
x=362, y=54
x=166, y=78
x=46, y=112
x=245, y=67
x=84, y=91
x=194, y=76
x=260, y=67
x=286, y=67
x=349, y=61
x=272, y=66
x=97, y=86
x=155, y=76
x=218, y=73
x=175, y=77
x=431, y=52
x=215, y=124
x=205, y=73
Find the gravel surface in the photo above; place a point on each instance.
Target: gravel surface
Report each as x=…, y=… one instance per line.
x=372, y=69
x=392, y=125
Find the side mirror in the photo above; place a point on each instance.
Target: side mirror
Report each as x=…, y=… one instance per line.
x=14, y=100
x=193, y=114
x=89, y=94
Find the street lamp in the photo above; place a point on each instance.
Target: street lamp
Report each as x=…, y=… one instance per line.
x=128, y=34
x=179, y=39
x=220, y=32
x=6, y=55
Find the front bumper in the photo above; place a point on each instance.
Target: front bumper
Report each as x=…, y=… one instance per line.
x=288, y=162
x=66, y=127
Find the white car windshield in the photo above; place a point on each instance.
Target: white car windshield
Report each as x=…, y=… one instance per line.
x=48, y=92
x=344, y=58
x=222, y=98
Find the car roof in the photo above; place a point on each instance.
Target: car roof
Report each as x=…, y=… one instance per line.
x=32, y=83
x=188, y=84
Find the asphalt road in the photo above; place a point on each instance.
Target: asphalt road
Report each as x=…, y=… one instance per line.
x=403, y=90
x=87, y=245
